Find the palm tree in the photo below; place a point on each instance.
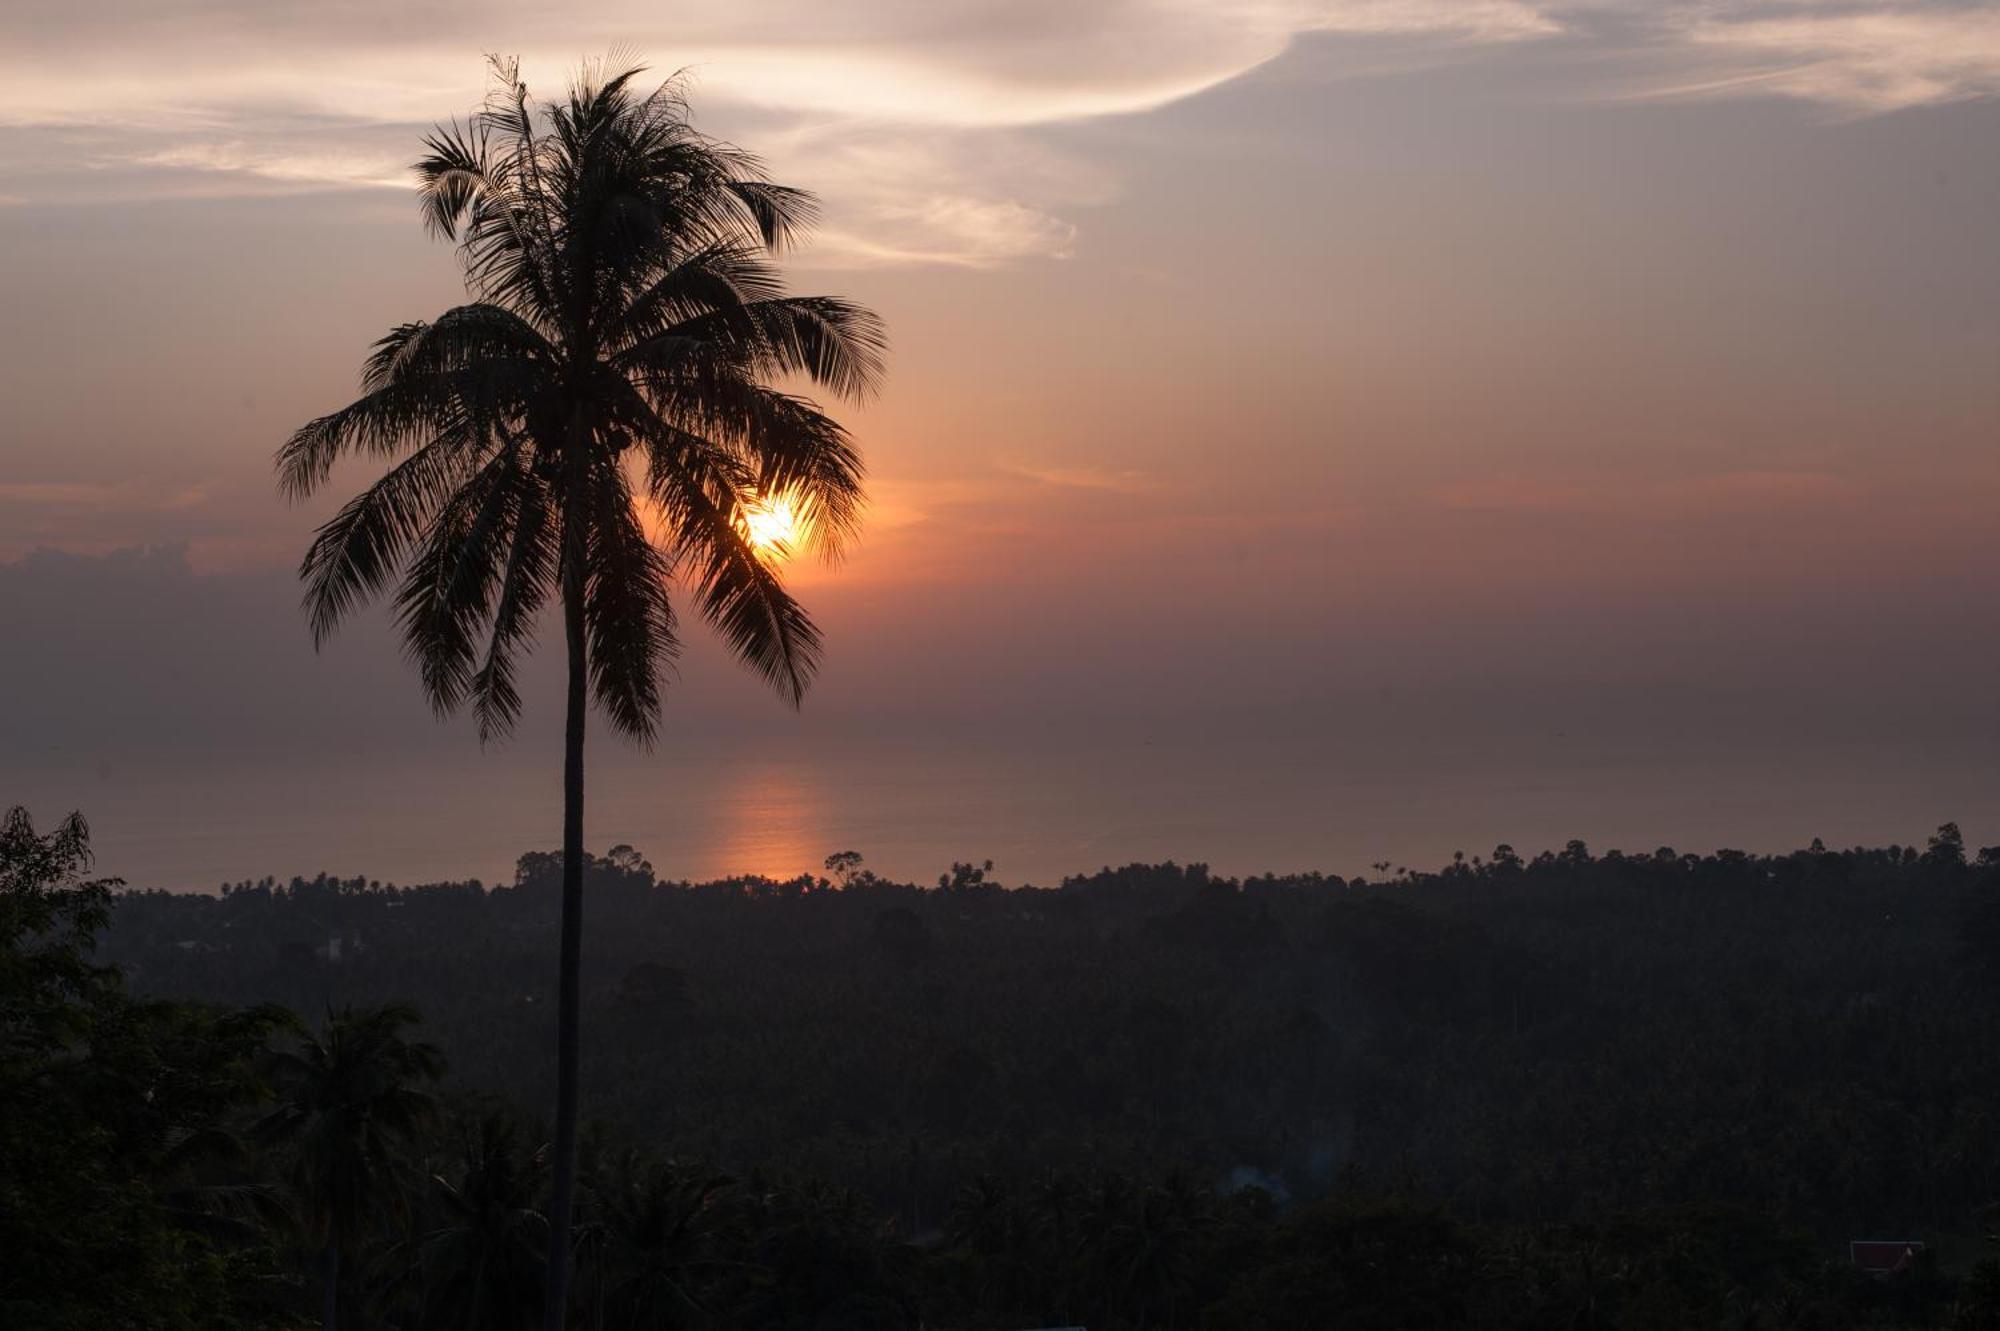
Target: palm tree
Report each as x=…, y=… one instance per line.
x=655, y=1242
x=989, y=1222
x=349, y=1104
x=613, y=372
x=481, y=1265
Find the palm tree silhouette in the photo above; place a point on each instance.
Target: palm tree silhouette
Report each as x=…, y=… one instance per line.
x=481, y=1264
x=654, y=1242
x=349, y=1103
x=618, y=356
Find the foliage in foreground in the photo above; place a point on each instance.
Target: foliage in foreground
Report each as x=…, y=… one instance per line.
x=172, y=1163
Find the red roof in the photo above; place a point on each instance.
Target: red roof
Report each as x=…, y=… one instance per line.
x=1883, y=1257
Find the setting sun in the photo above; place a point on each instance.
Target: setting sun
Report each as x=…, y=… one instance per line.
x=772, y=523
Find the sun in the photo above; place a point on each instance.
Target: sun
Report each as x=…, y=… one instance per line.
x=772, y=524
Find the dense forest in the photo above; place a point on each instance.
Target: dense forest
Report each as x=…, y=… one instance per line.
x=1572, y=1090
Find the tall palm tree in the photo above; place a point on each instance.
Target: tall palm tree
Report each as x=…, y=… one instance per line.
x=350, y=1100
x=596, y=426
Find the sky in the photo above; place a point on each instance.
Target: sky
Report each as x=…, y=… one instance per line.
x=1316, y=433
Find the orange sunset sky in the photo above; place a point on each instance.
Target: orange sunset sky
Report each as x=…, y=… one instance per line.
x=1457, y=395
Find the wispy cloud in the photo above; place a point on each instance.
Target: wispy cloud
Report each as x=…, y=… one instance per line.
x=1863, y=59
x=921, y=119
x=915, y=114
x=1715, y=490
x=74, y=515
x=122, y=497
x=349, y=169
x=1116, y=481
x=909, y=61
x=964, y=197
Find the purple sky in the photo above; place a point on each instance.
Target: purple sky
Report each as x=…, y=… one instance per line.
x=1396, y=377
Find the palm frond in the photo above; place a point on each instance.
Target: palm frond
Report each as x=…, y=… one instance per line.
x=722, y=274
x=450, y=584
x=476, y=364
x=454, y=173
x=781, y=214
x=703, y=493
x=356, y=552
x=628, y=611
x=524, y=588
x=832, y=342
x=481, y=334
x=790, y=446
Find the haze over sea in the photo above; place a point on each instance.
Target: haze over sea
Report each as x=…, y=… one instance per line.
x=186, y=713
x=1408, y=781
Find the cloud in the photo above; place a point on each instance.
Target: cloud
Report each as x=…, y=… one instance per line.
x=337, y=169
x=954, y=229
x=929, y=103
x=1735, y=491
x=1859, y=59
x=126, y=498
x=1753, y=488
x=969, y=198
x=911, y=61
x=100, y=516
x=1119, y=481
x=921, y=121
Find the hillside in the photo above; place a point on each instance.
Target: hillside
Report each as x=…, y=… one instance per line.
x=1813, y=1036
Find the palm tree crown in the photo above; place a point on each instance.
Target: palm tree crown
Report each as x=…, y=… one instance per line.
x=481, y=1266
x=617, y=364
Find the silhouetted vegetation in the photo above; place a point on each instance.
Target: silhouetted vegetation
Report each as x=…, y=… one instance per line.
x=596, y=427
x=1573, y=1090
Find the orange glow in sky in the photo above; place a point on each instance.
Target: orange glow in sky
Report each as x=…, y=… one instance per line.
x=1489, y=387
x=774, y=526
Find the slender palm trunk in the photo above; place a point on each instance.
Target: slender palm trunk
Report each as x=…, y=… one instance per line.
x=330, y=1296
x=556, y=1309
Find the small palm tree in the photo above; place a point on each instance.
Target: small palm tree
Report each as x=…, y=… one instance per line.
x=599, y=424
x=482, y=1262
x=654, y=1242
x=350, y=1101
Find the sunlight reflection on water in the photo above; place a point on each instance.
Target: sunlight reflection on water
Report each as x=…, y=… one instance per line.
x=771, y=819
x=1039, y=810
